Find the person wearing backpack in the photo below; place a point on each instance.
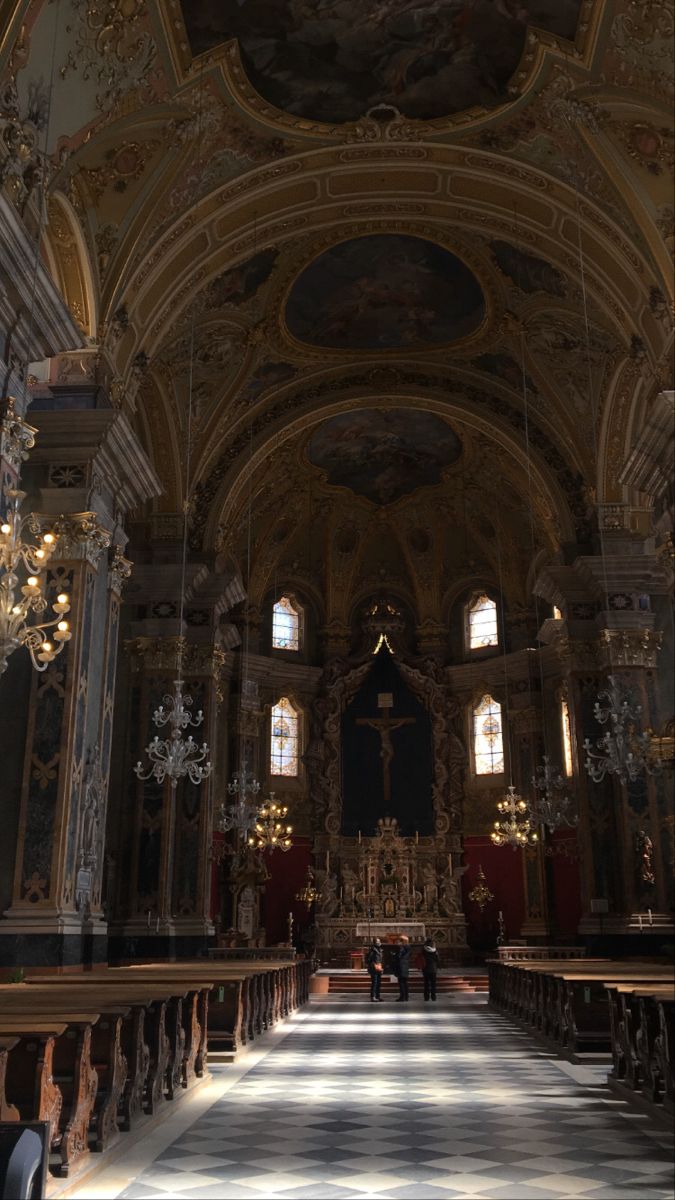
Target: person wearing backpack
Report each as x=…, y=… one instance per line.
x=374, y=965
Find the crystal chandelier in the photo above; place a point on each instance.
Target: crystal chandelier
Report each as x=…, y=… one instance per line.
x=176, y=757
x=241, y=815
x=552, y=805
x=19, y=602
x=309, y=893
x=622, y=750
x=270, y=831
x=515, y=828
x=481, y=894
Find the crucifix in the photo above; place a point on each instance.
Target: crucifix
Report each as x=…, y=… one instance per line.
x=385, y=726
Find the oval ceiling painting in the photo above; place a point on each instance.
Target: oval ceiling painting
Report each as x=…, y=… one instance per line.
x=384, y=292
x=383, y=454
x=332, y=60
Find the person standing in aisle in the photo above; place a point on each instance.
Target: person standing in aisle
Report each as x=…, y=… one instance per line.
x=430, y=968
x=402, y=967
x=374, y=964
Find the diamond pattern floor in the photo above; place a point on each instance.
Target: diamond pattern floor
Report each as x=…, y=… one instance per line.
x=419, y=1101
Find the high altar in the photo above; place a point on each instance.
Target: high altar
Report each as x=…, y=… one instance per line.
x=386, y=770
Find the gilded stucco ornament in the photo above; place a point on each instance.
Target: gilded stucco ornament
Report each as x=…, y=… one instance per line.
x=111, y=47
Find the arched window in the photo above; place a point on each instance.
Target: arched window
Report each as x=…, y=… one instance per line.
x=284, y=738
x=286, y=624
x=482, y=628
x=566, y=737
x=488, y=742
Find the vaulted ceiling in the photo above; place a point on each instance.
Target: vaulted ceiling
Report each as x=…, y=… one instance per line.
x=331, y=221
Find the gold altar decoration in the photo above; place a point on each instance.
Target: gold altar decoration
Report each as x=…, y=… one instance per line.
x=270, y=831
x=481, y=894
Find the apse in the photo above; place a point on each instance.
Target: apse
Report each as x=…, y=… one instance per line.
x=332, y=60
x=383, y=292
x=387, y=755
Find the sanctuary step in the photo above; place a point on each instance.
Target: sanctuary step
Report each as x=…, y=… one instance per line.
x=358, y=982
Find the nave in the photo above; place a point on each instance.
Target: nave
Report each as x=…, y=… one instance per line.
x=413, y=1101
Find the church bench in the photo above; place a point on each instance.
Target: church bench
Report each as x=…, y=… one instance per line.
x=247, y=998
x=641, y=1020
x=29, y=1088
x=176, y=1012
x=106, y=1071
x=72, y=1072
x=565, y=1002
x=8, y=1112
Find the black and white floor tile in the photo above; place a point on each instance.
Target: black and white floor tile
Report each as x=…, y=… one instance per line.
x=412, y=1101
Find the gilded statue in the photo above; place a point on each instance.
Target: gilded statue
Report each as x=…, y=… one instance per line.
x=644, y=853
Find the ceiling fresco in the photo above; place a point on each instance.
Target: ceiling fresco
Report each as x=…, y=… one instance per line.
x=384, y=455
x=332, y=60
x=384, y=292
x=527, y=271
x=240, y=283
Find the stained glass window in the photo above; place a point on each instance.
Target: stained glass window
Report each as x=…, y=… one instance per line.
x=483, y=630
x=284, y=738
x=566, y=737
x=488, y=744
x=286, y=625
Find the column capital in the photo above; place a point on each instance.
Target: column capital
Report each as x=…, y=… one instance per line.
x=630, y=647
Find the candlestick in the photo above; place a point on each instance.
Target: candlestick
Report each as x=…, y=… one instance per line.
x=327, y=861
x=341, y=893
x=157, y=925
x=449, y=862
x=649, y=912
x=500, y=915
x=417, y=837
x=359, y=837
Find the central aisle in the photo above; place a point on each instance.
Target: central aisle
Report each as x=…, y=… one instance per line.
x=418, y=1101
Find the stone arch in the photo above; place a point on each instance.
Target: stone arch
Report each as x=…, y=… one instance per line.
x=226, y=495
x=70, y=266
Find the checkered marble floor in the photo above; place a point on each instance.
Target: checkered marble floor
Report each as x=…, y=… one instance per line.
x=419, y=1101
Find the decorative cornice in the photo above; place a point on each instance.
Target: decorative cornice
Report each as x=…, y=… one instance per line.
x=159, y=656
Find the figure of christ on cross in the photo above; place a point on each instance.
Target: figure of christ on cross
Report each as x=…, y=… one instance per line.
x=385, y=726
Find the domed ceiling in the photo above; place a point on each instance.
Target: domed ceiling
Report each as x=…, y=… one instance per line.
x=383, y=455
x=383, y=292
x=332, y=60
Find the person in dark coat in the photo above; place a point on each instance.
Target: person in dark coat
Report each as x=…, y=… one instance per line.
x=374, y=965
x=402, y=967
x=430, y=968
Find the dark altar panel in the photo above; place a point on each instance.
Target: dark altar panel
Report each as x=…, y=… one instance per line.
x=411, y=769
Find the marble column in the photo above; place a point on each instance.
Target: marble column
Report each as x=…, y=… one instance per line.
x=87, y=470
x=608, y=629
x=528, y=748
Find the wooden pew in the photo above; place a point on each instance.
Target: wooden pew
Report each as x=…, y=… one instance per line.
x=565, y=1001
x=68, y=1065
x=641, y=1055
x=8, y=1112
x=161, y=1011
x=29, y=1082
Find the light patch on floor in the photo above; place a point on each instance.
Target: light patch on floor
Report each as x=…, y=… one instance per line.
x=412, y=1102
